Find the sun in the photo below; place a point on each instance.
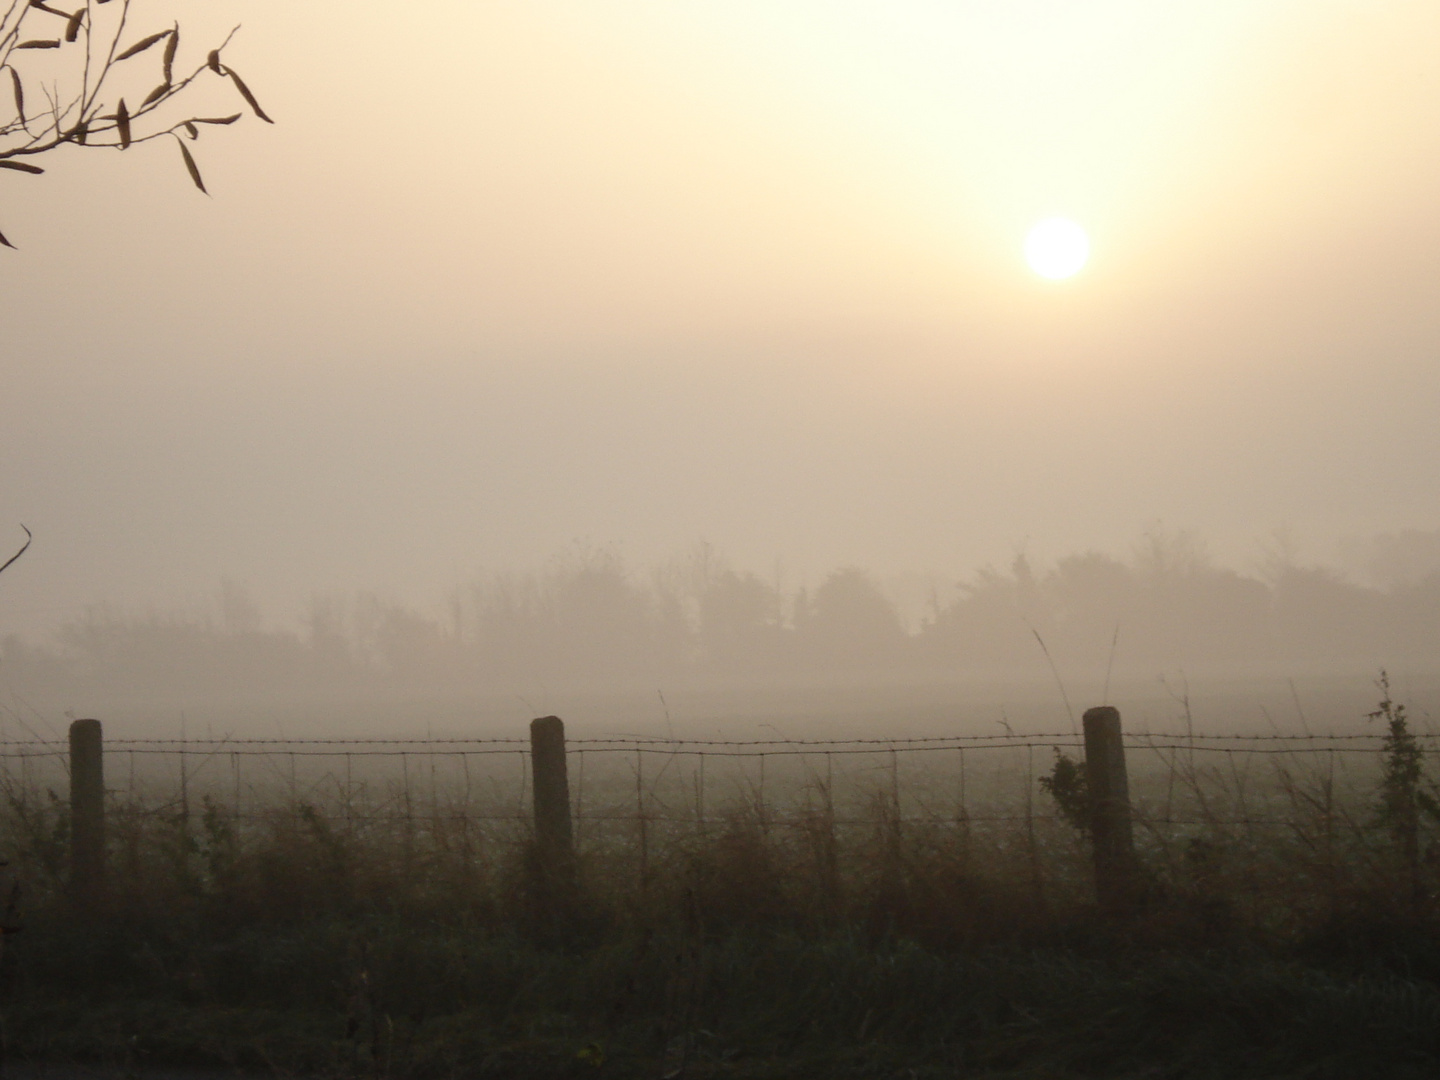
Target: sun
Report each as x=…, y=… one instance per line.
x=1056, y=248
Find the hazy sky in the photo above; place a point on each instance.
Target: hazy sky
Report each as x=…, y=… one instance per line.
x=507, y=275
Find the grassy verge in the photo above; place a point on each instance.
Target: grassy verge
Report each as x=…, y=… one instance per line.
x=748, y=946
x=380, y=998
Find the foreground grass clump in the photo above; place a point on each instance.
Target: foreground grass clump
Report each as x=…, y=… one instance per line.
x=293, y=942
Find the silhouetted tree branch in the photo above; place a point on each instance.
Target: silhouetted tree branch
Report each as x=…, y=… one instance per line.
x=24, y=548
x=62, y=67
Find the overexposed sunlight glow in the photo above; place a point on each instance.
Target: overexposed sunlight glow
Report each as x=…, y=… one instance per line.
x=1057, y=248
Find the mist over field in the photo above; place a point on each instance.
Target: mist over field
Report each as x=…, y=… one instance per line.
x=698, y=643
x=438, y=395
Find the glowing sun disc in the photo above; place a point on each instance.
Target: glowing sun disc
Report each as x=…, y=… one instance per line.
x=1056, y=248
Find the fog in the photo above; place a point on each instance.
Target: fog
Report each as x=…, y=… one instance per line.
x=1166, y=632
x=540, y=353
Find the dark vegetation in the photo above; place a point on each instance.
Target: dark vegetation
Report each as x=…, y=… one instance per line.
x=762, y=944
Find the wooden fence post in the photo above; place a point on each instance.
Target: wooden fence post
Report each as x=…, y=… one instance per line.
x=554, y=847
x=1110, y=832
x=87, y=811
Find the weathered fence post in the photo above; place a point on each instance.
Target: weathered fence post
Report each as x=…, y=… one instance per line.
x=554, y=846
x=1115, y=867
x=87, y=811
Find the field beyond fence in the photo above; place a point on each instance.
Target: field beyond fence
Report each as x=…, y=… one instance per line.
x=1229, y=812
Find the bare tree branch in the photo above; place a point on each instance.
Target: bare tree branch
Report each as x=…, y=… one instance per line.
x=24, y=548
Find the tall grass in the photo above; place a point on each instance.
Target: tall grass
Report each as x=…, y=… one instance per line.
x=783, y=929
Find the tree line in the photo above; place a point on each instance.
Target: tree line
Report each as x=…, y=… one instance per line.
x=590, y=621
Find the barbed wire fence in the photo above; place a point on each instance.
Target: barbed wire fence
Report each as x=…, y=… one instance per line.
x=631, y=799
x=250, y=775
x=264, y=768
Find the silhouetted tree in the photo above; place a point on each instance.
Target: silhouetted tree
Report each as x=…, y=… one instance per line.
x=849, y=623
x=69, y=73
x=992, y=622
x=23, y=548
x=739, y=622
x=599, y=622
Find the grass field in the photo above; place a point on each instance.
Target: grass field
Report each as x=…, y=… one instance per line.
x=875, y=913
